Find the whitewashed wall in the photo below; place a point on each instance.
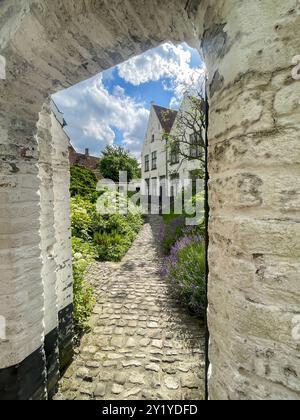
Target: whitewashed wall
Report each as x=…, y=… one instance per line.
x=159, y=146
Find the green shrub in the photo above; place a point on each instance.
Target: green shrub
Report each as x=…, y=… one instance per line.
x=111, y=246
x=84, y=300
x=116, y=236
x=112, y=234
x=83, y=182
x=82, y=212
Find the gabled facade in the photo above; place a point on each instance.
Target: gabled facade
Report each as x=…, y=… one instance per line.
x=154, y=153
x=159, y=161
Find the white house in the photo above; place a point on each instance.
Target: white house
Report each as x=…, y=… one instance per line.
x=160, y=161
x=154, y=153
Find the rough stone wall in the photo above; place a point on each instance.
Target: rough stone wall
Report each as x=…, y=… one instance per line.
x=254, y=157
x=254, y=166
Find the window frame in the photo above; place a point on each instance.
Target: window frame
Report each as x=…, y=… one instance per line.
x=195, y=149
x=174, y=155
x=147, y=163
x=154, y=161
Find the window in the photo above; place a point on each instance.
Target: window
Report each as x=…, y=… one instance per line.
x=154, y=160
x=195, y=148
x=153, y=138
x=147, y=163
x=174, y=156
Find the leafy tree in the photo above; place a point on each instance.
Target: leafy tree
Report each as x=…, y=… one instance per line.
x=83, y=181
x=116, y=159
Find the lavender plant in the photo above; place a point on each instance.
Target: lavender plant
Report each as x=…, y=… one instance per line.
x=184, y=269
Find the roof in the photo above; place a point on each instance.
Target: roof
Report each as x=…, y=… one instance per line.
x=166, y=117
x=85, y=160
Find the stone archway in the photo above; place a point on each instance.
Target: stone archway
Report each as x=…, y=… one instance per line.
x=254, y=227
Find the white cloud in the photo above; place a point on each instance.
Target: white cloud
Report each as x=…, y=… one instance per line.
x=166, y=62
x=92, y=114
x=99, y=131
x=119, y=91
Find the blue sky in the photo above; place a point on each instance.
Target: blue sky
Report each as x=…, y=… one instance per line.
x=113, y=107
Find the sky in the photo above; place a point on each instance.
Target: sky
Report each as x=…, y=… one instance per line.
x=113, y=107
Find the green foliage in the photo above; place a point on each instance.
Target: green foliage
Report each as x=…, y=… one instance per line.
x=116, y=159
x=82, y=212
x=84, y=300
x=111, y=246
x=83, y=181
x=118, y=232
x=112, y=234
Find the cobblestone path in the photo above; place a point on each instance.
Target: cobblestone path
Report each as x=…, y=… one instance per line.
x=142, y=344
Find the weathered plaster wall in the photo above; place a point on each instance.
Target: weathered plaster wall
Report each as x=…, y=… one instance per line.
x=158, y=146
x=55, y=233
x=254, y=156
x=62, y=248
x=254, y=166
x=47, y=232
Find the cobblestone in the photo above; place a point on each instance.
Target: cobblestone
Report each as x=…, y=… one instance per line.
x=142, y=344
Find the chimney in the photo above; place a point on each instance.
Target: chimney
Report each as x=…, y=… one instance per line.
x=87, y=152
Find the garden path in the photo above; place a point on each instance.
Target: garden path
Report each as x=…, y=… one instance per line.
x=142, y=345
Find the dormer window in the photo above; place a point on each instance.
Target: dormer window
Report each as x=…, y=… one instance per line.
x=153, y=138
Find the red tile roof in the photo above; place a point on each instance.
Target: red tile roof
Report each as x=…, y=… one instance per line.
x=85, y=160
